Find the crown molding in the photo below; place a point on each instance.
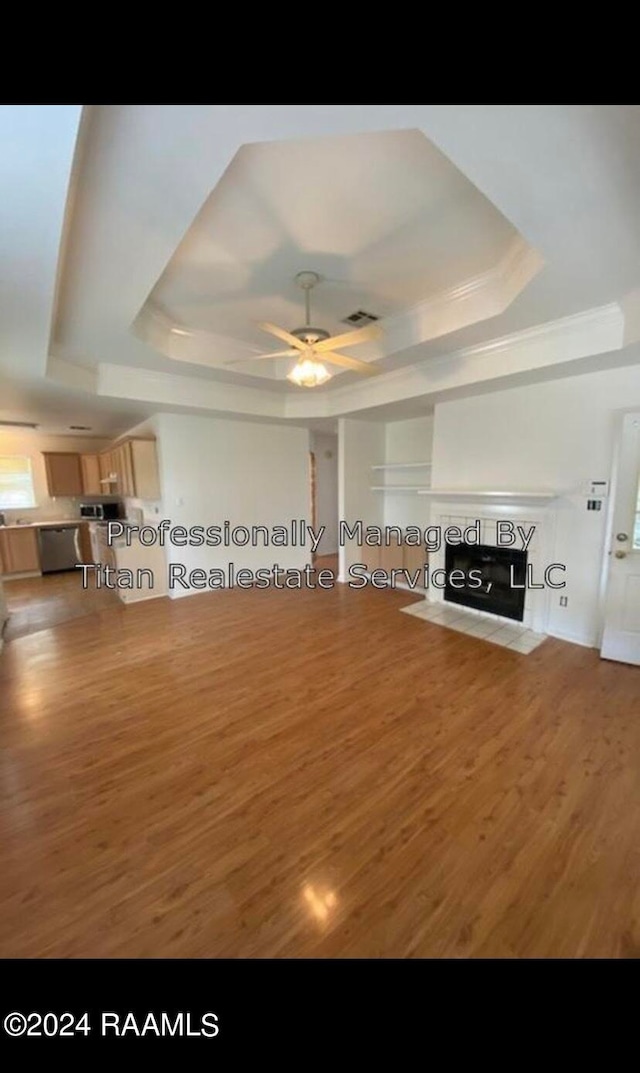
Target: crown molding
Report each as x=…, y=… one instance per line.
x=469, y=302
x=592, y=330
x=519, y=263
x=576, y=338
x=559, y=342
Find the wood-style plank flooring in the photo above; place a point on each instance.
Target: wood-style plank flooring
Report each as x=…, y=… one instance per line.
x=262, y=773
x=37, y=603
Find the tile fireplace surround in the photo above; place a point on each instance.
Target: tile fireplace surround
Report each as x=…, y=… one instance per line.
x=497, y=631
x=522, y=637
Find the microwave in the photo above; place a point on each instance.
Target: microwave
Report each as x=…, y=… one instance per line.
x=101, y=512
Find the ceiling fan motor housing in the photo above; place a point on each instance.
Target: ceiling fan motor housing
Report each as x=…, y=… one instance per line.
x=310, y=335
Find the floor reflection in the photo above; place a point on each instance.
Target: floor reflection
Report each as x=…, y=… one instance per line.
x=320, y=901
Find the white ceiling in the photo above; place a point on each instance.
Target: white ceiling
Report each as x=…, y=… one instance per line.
x=158, y=199
x=385, y=219
x=55, y=407
x=37, y=145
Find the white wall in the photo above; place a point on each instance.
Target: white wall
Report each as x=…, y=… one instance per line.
x=32, y=443
x=407, y=441
x=213, y=470
x=410, y=440
x=325, y=449
x=554, y=435
x=360, y=445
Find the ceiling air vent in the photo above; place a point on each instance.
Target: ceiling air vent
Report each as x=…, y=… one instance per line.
x=17, y=424
x=360, y=318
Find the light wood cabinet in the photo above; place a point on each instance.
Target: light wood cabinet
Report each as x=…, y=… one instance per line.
x=90, y=466
x=130, y=469
x=414, y=558
x=84, y=536
x=104, y=466
x=108, y=475
x=19, y=553
x=391, y=557
x=116, y=471
x=370, y=556
x=124, y=469
x=64, y=473
x=145, y=469
x=395, y=556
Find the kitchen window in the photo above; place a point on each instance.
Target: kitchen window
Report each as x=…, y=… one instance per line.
x=16, y=483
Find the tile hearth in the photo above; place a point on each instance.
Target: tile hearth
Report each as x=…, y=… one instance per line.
x=498, y=631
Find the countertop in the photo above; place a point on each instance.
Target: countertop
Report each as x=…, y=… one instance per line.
x=46, y=525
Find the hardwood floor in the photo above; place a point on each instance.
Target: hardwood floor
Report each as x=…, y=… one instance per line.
x=37, y=603
x=281, y=773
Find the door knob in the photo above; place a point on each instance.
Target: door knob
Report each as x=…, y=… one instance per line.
x=621, y=555
x=622, y=537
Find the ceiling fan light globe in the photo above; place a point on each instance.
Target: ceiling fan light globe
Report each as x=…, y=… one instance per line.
x=309, y=373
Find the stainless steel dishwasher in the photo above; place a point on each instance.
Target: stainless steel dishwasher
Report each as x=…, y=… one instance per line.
x=59, y=548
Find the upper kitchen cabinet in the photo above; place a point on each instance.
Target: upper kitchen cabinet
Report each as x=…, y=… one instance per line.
x=90, y=466
x=130, y=469
x=64, y=473
x=123, y=456
x=106, y=472
x=145, y=469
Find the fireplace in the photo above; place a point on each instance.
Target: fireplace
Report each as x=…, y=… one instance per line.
x=500, y=568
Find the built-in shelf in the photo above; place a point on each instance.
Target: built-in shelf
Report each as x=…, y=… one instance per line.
x=466, y=493
x=403, y=465
x=419, y=490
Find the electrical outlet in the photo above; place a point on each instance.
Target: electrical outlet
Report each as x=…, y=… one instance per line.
x=564, y=600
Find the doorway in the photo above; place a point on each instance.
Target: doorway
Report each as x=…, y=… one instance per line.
x=324, y=497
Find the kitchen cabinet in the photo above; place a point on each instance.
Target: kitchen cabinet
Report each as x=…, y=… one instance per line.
x=116, y=477
x=84, y=539
x=114, y=472
x=90, y=466
x=130, y=469
x=64, y=473
x=19, y=552
x=145, y=469
x=104, y=466
x=124, y=468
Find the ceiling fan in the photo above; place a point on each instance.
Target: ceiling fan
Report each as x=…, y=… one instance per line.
x=314, y=346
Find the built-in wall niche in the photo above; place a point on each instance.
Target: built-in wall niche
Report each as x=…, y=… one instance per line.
x=404, y=471
x=409, y=477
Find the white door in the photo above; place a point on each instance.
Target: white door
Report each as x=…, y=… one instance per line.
x=621, y=639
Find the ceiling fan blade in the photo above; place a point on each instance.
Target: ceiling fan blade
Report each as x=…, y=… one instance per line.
x=360, y=335
x=286, y=337
x=349, y=363
x=261, y=357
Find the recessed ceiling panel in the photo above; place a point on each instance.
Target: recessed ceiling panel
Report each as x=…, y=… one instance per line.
x=385, y=219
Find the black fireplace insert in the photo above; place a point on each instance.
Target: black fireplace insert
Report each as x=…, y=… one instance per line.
x=501, y=570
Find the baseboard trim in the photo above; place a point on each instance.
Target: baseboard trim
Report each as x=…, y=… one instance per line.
x=573, y=638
